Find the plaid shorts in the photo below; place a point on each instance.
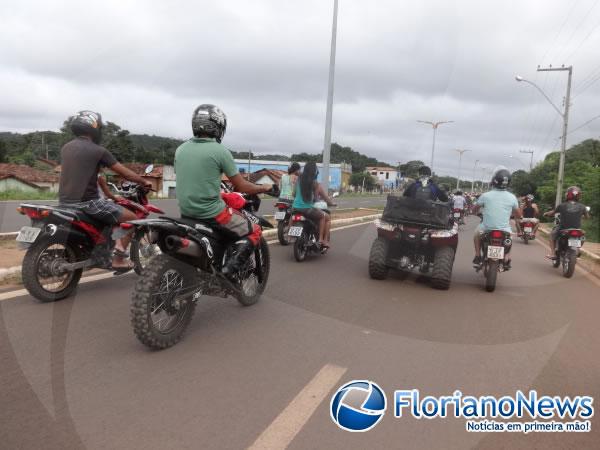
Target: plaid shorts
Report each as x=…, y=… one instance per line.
x=100, y=209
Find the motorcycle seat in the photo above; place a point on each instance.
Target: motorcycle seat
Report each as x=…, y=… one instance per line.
x=79, y=215
x=197, y=224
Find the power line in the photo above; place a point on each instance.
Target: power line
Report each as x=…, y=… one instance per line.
x=590, y=83
x=586, y=15
x=559, y=32
x=584, y=124
x=583, y=41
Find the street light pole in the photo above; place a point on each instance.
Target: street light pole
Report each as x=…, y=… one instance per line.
x=328, y=117
x=531, y=160
x=435, y=126
x=460, y=152
x=473, y=179
x=565, y=117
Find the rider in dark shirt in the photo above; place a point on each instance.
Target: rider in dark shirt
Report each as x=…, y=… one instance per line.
x=570, y=214
x=424, y=188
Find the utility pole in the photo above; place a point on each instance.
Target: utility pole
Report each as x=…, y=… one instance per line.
x=565, y=116
x=329, y=114
x=460, y=152
x=249, y=156
x=473, y=179
x=435, y=126
x=531, y=160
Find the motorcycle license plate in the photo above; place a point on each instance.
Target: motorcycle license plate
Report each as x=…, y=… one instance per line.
x=280, y=215
x=295, y=231
x=494, y=252
x=575, y=243
x=28, y=234
x=528, y=229
x=456, y=214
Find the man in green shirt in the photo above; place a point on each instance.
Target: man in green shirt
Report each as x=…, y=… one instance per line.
x=199, y=165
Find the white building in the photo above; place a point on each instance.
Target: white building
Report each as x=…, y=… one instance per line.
x=385, y=176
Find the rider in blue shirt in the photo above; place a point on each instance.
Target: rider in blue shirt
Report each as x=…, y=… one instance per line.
x=498, y=206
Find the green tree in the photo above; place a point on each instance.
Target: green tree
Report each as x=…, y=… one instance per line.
x=522, y=183
x=358, y=178
x=411, y=168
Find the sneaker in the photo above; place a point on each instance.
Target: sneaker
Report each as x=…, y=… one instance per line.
x=477, y=262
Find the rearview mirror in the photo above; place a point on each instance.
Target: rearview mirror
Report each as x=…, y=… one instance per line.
x=149, y=168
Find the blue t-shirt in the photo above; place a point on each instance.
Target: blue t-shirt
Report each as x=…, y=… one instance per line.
x=497, y=209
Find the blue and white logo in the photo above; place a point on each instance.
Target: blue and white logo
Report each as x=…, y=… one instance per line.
x=358, y=405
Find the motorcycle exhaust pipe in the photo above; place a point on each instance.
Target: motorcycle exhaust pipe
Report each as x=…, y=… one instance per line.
x=182, y=246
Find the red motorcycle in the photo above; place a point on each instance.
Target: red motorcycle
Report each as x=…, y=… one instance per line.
x=528, y=230
x=62, y=241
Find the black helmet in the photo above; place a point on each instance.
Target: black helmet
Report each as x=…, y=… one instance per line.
x=87, y=123
x=501, y=178
x=458, y=193
x=424, y=171
x=294, y=167
x=209, y=120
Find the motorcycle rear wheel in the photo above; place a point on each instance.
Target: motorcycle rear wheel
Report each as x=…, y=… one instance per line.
x=491, y=275
x=33, y=270
x=300, y=249
x=569, y=262
x=254, y=281
x=282, y=232
x=163, y=295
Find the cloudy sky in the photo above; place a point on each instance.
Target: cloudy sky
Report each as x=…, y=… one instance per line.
x=146, y=64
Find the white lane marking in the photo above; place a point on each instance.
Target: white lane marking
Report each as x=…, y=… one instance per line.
x=290, y=421
x=102, y=276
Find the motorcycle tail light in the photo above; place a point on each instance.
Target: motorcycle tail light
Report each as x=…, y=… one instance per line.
x=497, y=234
x=576, y=233
x=35, y=214
x=298, y=217
x=127, y=226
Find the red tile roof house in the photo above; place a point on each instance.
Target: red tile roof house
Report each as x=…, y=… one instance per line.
x=25, y=178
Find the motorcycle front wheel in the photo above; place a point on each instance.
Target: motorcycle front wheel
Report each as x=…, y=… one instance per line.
x=141, y=251
x=162, y=303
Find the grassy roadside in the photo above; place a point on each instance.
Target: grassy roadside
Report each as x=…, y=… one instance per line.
x=25, y=195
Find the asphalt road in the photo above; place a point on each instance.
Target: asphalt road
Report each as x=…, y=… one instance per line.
x=72, y=375
x=11, y=221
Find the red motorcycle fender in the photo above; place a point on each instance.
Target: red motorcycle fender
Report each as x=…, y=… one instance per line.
x=138, y=209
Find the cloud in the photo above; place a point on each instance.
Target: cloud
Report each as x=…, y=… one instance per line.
x=146, y=65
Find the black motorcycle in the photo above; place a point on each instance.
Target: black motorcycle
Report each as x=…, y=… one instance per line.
x=306, y=234
x=495, y=245
x=190, y=265
x=567, y=250
x=283, y=215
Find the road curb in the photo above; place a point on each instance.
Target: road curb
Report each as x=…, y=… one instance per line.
x=6, y=272
x=8, y=236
